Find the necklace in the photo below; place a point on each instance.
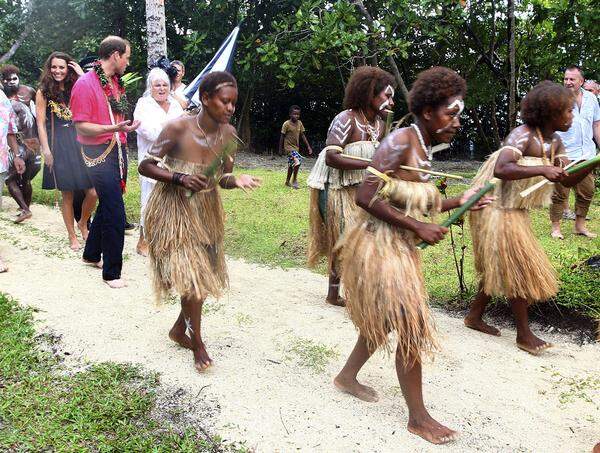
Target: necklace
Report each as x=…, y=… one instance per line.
x=428, y=151
x=120, y=105
x=218, y=137
x=372, y=131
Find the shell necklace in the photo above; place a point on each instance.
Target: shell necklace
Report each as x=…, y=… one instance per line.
x=428, y=151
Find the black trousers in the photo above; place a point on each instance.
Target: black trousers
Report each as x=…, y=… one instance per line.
x=107, y=231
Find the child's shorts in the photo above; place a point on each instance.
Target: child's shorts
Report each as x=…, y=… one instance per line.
x=294, y=159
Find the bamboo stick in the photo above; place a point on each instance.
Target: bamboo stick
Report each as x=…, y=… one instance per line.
x=458, y=212
x=407, y=168
x=542, y=183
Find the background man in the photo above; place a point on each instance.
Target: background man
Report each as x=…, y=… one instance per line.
x=579, y=143
x=98, y=104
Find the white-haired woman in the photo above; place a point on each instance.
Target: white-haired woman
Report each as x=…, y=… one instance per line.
x=153, y=110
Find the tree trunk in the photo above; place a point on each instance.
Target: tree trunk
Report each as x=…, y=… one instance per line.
x=244, y=130
x=475, y=116
x=495, y=129
x=156, y=30
x=8, y=55
x=512, y=104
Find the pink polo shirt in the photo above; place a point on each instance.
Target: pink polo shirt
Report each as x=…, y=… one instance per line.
x=89, y=105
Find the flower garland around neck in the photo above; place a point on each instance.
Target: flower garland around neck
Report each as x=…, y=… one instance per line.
x=118, y=106
x=60, y=110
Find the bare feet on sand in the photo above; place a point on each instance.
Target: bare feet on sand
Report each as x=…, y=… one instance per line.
x=97, y=264
x=338, y=302
x=74, y=244
x=117, y=283
x=430, y=430
x=178, y=335
x=83, y=230
x=23, y=216
x=201, y=359
x=142, y=247
x=3, y=267
x=481, y=326
x=532, y=344
x=355, y=388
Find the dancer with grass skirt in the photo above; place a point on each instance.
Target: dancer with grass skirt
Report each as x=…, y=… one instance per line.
x=184, y=216
x=508, y=258
x=380, y=262
x=352, y=139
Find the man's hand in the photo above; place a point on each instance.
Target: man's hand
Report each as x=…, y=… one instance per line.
x=481, y=203
x=554, y=174
x=127, y=126
x=431, y=233
x=195, y=183
x=247, y=182
x=19, y=165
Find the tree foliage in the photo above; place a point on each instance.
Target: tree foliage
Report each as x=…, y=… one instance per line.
x=303, y=51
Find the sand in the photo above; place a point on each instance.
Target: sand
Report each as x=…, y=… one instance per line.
x=262, y=389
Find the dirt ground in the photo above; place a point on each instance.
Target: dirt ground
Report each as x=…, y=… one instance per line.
x=277, y=346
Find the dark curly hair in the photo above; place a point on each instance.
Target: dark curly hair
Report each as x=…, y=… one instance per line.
x=433, y=87
x=365, y=83
x=49, y=87
x=544, y=102
x=212, y=80
x=8, y=69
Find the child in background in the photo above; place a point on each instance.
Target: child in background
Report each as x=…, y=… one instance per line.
x=289, y=141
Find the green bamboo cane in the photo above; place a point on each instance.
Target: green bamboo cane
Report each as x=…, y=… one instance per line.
x=389, y=119
x=583, y=165
x=458, y=213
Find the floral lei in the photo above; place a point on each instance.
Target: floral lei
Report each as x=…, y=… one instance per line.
x=118, y=106
x=60, y=110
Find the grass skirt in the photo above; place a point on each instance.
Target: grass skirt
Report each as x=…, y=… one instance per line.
x=340, y=213
x=383, y=280
x=508, y=257
x=185, y=238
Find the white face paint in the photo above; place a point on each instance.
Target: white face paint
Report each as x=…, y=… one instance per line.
x=12, y=80
x=457, y=103
x=389, y=91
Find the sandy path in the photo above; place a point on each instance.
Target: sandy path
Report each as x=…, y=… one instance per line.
x=501, y=399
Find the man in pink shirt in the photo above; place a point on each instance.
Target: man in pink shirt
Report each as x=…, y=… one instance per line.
x=99, y=104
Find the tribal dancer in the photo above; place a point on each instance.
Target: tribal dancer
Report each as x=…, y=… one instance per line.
x=334, y=179
x=184, y=215
x=508, y=258
x=381, y=265
x=19, y=184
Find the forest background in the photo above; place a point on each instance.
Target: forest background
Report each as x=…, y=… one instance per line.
x=303, y=51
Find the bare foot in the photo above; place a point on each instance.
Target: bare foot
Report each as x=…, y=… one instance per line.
x=97, y=264
x=533, y=344
x=481, y=326
x=142, y=247
x=338, y=302
x=23, y=216
x=83, y=230
x=430, y=430
x=116, y=283
x=355, y=388
x=287, y=183
x=596, y=448
x=3, y=267
x=586, y=233
x=201, y=359
x=74, y=244
x=179, y=337
x=557, y=234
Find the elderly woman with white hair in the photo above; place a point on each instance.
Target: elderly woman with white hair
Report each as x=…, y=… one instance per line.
x=154, y=109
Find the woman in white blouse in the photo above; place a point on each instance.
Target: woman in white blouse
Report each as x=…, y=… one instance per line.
x=153, y=110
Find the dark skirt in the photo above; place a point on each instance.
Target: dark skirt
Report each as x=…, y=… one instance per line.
x=69, y=169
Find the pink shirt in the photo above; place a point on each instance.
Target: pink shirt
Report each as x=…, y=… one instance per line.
x=89, y=105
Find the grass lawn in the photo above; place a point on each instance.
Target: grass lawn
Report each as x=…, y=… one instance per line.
x=270, y=226
x=106, y=407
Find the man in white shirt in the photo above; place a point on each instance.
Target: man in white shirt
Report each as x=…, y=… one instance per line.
x=579, y=143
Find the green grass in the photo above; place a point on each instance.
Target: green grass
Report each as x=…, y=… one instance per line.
x=106, y=407
x=269, y=226
x=310, y=354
